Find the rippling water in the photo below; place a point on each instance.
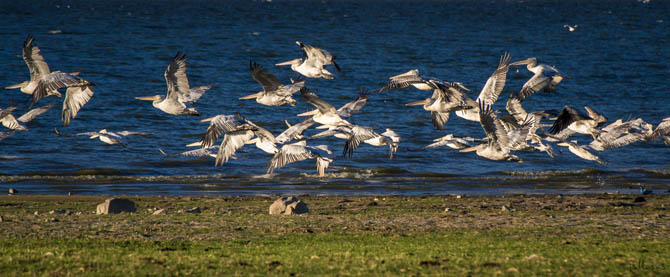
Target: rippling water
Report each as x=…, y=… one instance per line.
x=617, y=60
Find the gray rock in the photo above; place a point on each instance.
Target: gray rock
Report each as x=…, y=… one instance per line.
x=195, y=210
x=160, y=212
x=115, y=206
x=288, y=205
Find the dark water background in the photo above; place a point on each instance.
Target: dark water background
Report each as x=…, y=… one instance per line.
x=617, y=58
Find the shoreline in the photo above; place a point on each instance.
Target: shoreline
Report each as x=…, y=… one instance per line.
x=604, y=234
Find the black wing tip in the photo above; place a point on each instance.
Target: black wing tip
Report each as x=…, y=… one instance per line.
x=181, y=56
x=29, y=41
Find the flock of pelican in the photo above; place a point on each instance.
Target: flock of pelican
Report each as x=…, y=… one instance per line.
x=506, y=132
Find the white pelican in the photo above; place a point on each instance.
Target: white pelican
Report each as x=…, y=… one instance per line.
x=178, y=90
x=412, y=78
x=325, y=114
x=294, y=132
x=357, y=134
x=577, y=122
x=452, y=142
x=107, y=136
x=619, y=134
x=499, y=140
x=25, y=118
x=237, y=134
x=445, y=99
x=40, y=75
x=571, y=28
x=299, y=151
x=661, y=130
x=209, y=152
x=581, y=152
x=9, y=121
x=545, y=77
x=312, y=63
x=274, y=93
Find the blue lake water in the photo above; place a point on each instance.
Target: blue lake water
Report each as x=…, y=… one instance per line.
x=617, y=60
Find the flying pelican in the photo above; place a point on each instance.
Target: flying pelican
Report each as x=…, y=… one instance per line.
x=25, y=118
x=237, y=134
x=577, y=122
x=209, y=152
x=619, y=134
x=312, y=63
x=661, y=130
x=299, y=151
x=499, y=140
x=452, y=142
x=42, y=81
x=412, y=78
x=357, y=134
x=445, y=99
x=107, y=136
x=9, y=121
x=274, y=93
x=581, y=152
x=545, y=77
x=325, y=114
x=571, y=28
x=294, y=132
x=178, y=90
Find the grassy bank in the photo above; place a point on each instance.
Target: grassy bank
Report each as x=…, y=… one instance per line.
x=547, y=235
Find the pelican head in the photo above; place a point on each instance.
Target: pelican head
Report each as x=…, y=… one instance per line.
x=424, y=102
x=155, y=98
x=531, y=62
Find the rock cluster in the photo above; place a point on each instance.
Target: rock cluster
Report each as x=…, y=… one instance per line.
x=115, y=206
x=288, y=205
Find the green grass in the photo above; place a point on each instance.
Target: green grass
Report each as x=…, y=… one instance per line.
x=572, y=236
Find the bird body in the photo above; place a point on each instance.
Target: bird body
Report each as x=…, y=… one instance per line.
x=312, y=63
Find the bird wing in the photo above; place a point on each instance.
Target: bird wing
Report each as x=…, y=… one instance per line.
x=321, y=164
x=598, y=117
x=193, y=94
x=268, y=81
x=294, y=131
x=352, y=107
x=494, y=129
x=34, y=60
x=358, y=134
x=30, y=115
x=288, y=154
x=175, y=77
x=219, y=125
x=567, y=117
x=403, y=80
x=515, y=109
x=131, y=133
x=534, y=84
x=317, y=102
x=75, y=98
x=56, y=80
x=661, y=130
x=495, y=84
x=231, y=142
x=9, y=121
x=438, y=119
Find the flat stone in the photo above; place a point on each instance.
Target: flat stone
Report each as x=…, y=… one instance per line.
x=115, y=206
x=195, y=210
x=160, y=212
x=288, y=205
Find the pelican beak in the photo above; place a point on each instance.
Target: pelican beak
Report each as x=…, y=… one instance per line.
x=417, y=103
x=312, y=112
x=252, y=96
x=208, y=119
x=18, y=85
x=197, y=143
x=563, y=143
x=147, y=98
x=294, y=61
x=252, y=141
x=666, y=119
x=526, y=61
x=408, y=73
x=473, y=148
